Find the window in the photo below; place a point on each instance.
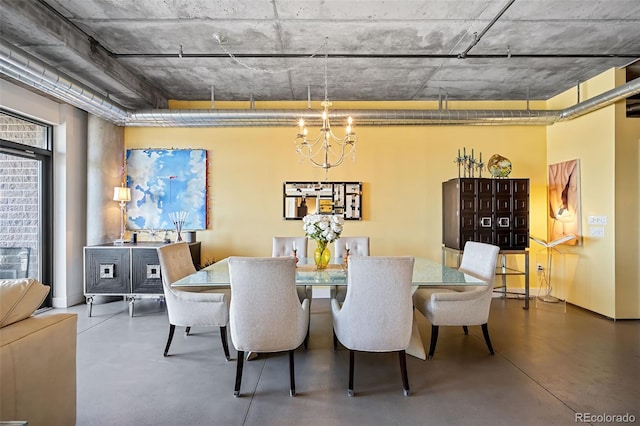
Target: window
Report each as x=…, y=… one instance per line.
x=26, y=187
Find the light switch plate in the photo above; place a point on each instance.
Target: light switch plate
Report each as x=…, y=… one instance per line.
x=596, y=231
x=597, y=220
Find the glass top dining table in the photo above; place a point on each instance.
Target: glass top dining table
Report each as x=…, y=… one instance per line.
x=425, y=273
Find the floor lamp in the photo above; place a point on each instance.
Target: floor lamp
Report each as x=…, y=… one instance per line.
x=123, y=195
x=549, y=247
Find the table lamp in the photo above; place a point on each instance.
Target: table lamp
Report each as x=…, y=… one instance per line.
x=123, y=195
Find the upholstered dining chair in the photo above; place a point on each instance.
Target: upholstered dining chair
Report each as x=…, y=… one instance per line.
x=284, y=246
x=465, y=305
x=377, y=313
x=190, y=309
x=266, y=315
x=357, y=246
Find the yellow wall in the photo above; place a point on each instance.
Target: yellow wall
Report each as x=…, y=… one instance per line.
x=607, y=157
x=401, y=168
x=627, y=178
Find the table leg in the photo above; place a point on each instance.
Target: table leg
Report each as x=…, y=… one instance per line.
x=504, y=276
x=526, y=280
x=416, y=347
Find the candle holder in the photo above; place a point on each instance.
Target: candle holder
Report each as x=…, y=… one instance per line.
x=468, y=163
x=346, y=258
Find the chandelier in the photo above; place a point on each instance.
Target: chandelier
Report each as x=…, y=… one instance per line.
x=326, y=150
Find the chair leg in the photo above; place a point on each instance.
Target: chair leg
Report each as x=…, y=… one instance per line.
x=306, y=339
x=292, y=375
x=485, y=332
x=465, y=329
x=434, y=339
x=240, y=362
x=188, y=330
x=172, y=329
x=351, y=368
x=335, y=341
x=403, y=372
x=225, y=345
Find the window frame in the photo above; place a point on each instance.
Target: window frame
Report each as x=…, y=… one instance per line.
x=44, y=156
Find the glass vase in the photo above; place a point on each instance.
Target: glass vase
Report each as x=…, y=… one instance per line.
x=322, y=256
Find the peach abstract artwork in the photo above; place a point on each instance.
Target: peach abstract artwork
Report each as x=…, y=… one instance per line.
x=564, y=201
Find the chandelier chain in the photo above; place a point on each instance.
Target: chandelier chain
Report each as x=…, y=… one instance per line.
x=326, y=80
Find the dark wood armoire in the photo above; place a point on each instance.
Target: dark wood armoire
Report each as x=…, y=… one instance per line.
x=494, y=211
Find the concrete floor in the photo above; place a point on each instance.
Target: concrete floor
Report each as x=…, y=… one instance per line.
x=548, y=367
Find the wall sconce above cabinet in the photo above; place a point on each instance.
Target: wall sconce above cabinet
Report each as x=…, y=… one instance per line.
x=339, y=198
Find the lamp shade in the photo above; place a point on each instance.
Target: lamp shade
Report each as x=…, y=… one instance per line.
x=121, y=193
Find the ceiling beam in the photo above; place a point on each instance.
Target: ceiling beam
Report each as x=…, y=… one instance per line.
x=378, y=55
x=40, y=15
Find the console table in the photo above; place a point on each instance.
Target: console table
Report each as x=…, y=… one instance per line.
x=131, y=270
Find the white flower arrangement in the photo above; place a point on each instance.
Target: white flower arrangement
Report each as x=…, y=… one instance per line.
x=323, y=228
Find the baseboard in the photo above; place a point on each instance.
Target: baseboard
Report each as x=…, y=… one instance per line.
x=66, y=302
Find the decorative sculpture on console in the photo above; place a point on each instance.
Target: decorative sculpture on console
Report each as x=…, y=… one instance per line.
x=469, y=163
x=499, y=166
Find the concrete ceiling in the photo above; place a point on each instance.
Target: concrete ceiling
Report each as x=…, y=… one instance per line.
x=141, y=53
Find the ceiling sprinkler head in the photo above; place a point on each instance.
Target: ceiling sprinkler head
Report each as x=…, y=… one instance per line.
x=220, y=38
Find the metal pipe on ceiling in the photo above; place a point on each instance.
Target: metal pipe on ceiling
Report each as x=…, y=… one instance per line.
x=602, y=100
x=34, y=73
x=22, y=67
x=477, y=37
x=287, y=118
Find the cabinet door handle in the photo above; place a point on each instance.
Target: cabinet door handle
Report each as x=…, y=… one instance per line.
x=503, y=222
x=485, y=222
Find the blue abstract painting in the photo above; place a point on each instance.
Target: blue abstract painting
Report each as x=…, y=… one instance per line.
x=164, y=182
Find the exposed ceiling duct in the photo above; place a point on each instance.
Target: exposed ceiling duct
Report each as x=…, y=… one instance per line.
x=21, y=67
x=274, y=118
x=25, y=69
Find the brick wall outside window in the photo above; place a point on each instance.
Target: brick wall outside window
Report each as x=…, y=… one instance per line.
x=19, y=198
